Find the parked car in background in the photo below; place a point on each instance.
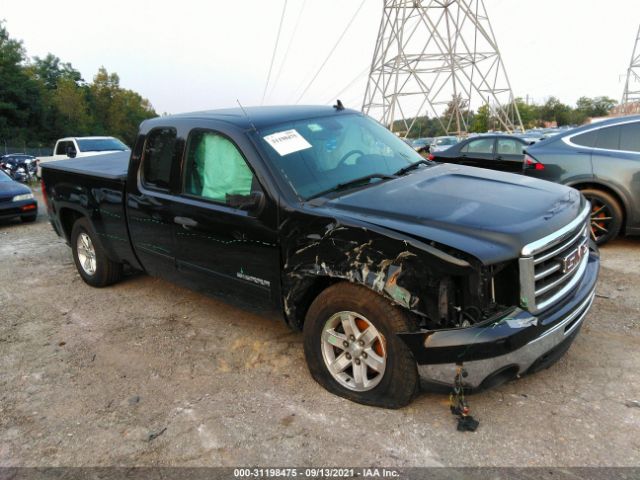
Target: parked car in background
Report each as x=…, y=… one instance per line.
x=421, y=144
x=72, y=147
x=496, y=152
x=601, y=160
x=19, y=166
x=16, y=200
x=442, y=143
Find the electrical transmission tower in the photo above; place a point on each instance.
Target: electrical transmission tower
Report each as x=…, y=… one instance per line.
x=438, y=58
x=631, y=95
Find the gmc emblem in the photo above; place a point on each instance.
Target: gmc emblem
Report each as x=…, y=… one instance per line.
x=571, y=260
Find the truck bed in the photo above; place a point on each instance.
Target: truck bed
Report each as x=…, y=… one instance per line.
x=112, y=166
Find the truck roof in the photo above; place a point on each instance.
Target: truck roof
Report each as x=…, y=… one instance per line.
x=261, y=117
x=83, y=138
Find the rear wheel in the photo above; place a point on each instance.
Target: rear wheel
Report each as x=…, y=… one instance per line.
x=606, y=215
x=352, y=349
x=92, y=263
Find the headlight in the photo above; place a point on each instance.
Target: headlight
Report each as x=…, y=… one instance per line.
x=24, y=196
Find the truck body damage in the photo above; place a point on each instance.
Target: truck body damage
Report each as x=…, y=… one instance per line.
x=439, y=288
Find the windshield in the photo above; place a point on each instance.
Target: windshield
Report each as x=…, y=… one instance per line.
x=320, y=154
x=100, y=144
x=4, y=177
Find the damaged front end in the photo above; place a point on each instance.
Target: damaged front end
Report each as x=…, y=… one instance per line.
x=465, y=313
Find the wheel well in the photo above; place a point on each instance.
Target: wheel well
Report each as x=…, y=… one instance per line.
x=67, y=218
x=299, y=305
x=604, y=188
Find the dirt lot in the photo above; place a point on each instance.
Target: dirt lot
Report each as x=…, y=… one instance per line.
x=146, y=373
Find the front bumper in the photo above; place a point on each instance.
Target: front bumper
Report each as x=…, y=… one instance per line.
x=511, y=345
x=10, y=209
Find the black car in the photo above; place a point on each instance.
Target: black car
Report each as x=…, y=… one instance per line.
x=601, y=160
x=16, y=200
x=497, y=152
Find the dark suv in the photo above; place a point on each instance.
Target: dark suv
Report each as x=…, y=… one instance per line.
x=602, y=160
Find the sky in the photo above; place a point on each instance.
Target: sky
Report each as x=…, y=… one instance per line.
x=197, y=55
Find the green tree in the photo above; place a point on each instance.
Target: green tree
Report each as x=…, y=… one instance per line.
x=117, y=111
x=555, y=110
x=481, y=120
x=20, y=100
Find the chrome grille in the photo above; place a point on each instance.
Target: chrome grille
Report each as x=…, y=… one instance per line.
x=552, y=266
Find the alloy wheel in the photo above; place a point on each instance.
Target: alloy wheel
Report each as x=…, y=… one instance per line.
x=354, y=351
x=86, y=254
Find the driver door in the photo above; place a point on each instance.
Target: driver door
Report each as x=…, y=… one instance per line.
x=224, y=245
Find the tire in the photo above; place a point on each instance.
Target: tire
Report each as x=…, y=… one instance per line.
x=394, y=381
x=606, y=215
x=28, y=218
x=90, y=258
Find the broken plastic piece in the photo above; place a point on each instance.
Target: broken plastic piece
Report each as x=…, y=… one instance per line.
x=467, y=424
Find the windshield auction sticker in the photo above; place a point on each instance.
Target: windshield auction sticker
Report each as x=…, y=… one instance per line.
x=287, y=142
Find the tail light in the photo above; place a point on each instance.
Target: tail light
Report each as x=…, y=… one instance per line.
x=431, y=156
x=44, y=193
x=531, y=163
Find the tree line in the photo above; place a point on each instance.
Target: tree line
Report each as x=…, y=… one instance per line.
x=532, y=115
x=43, y=99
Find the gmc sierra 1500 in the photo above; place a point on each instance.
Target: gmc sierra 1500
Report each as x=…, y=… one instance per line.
x=393, y=266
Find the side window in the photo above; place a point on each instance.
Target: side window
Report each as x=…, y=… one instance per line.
x=62, y=148
x=586, y=139
x=630, y=137
x=506, y=146
x=215, y=169
x=483, y=145
x=608, y=138
x=159, y=154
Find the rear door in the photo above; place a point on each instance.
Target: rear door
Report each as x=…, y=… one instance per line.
x=150, y=201
x=616, y=162
x=223, y=244
x=509, y=155
x=478, y=153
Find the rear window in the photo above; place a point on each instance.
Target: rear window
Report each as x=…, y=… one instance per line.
x=586, y=139
x=100, y=145
x=630, y=137
x=158, y=157
x=608, y=138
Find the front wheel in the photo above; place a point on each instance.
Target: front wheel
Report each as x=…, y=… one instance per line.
x=95, y=268
x=352, y=349
x=606, y=215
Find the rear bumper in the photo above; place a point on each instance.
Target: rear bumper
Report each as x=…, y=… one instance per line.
x=511, y=345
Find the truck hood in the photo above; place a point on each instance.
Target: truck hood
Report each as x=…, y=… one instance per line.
x=490, y=215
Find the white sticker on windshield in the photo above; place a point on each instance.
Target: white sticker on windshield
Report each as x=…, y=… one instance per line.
x=287, y=142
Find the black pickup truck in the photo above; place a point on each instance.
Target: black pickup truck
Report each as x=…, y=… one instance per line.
x=394, y=267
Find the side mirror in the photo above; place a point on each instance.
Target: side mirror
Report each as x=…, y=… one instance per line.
x=251, y=203
x=71, y=152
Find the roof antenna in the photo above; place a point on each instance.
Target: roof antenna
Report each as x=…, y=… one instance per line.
x=248, y=117
x=339, y=106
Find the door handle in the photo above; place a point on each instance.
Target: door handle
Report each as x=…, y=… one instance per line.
x=186, y=222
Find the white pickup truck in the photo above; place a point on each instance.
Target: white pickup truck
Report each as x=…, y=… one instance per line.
x=72, y=147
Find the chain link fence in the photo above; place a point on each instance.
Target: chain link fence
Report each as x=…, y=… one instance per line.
x=7, y=147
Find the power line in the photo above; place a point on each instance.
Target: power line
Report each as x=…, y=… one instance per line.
x=275, y=49
x=331, y=52
x=286, y=53
x=350, y=84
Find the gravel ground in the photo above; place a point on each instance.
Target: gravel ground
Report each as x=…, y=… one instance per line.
x=147, y=373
